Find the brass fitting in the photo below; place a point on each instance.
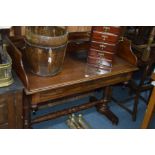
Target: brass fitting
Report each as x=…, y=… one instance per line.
x=83, y=122
x=77, y=122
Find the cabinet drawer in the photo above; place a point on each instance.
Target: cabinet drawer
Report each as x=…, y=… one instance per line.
x=108, y=29
x=101, y=54
x=99, y=62
x=103, y=46
x=105, y=37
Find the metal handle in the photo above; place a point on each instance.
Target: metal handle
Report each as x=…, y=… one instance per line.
x=102, y=46
x=106, y=29
x=104, y=37
x=121, y=39
x=101, y=55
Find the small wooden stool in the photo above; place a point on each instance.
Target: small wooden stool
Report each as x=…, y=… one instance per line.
x=150, y=108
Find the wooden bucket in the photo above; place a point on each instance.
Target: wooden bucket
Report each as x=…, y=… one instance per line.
x=46, y=35
x=45, y=61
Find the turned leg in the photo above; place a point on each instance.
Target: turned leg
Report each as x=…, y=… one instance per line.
x=135, y=107
x=104, y=109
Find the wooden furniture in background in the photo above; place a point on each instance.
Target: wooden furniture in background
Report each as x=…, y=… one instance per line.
x=139, y=83
x=150, y=108
x=74, y=80
x=141, y=80
x=78, y=28
x=11, y=105
x=142, y=38
x=138, y=34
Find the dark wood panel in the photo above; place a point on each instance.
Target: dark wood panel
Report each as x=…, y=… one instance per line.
x=77, y=46
x=11, y=110
x=17, y=58
x=3, y=110
x=125, y=52
x=4, y=126
x=19, y=110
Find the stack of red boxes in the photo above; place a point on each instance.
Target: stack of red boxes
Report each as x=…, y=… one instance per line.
x=103, y=46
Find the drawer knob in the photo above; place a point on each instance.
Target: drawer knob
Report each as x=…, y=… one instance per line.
x=101, y=55
x=121, y=39
x=106, y=29
x=104, y=37
x=101, y=62
x=102, y=46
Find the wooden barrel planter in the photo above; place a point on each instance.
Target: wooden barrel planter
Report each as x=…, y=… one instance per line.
x=45, y=49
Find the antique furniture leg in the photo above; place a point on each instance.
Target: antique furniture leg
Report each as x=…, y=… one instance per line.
x=27, y=112
x=134, y=113
x=103, y=108
x=149, y=111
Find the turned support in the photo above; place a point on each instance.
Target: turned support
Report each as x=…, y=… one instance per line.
x=103, y=108
x=65, y=111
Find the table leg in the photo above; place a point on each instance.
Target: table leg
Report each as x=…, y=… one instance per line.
x=27, y=112
x=149, y=111
x=104, y=109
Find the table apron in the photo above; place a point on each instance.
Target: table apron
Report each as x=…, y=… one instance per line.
x=78, y=88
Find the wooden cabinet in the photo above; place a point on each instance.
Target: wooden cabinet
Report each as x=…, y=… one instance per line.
x=103, y=45
x=11, y=105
